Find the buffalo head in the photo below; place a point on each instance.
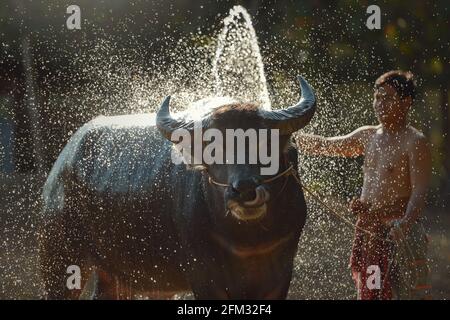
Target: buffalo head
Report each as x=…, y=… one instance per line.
x=235, y=187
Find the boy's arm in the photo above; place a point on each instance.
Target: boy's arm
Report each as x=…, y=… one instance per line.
x=420, y=174
x=350, y=145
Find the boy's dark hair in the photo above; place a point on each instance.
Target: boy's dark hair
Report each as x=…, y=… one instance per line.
x=402, y=81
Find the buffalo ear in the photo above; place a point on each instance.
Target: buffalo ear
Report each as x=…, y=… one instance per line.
x=181, y=154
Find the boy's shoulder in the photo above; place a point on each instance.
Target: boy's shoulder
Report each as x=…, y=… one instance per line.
x=364, y=134
x=415, y=134
x=370, y=129
x=416, y=137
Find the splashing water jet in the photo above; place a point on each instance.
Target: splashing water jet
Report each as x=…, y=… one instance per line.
x=238, y=68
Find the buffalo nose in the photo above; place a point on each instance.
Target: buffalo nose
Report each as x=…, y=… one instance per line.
x=245, y=188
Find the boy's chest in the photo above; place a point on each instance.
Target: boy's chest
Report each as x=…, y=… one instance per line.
x=386, y=157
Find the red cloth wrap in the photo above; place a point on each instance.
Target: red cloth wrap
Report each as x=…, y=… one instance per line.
x=370, y=250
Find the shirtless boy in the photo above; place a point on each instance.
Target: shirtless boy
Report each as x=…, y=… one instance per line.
x=397, y=169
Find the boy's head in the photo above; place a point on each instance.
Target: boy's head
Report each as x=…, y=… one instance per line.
x=394, y=94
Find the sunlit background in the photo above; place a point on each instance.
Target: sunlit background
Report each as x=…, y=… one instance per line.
x=128, y=55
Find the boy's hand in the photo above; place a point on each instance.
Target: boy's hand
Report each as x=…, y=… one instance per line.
x=399, y=229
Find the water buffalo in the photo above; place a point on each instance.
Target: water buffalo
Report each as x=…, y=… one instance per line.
x=117, y=206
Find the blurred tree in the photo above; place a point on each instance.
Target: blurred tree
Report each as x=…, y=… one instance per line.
x=326, y=40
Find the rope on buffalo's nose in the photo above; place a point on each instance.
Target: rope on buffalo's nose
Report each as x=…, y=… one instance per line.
x=291, y=171
x=288, y=171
